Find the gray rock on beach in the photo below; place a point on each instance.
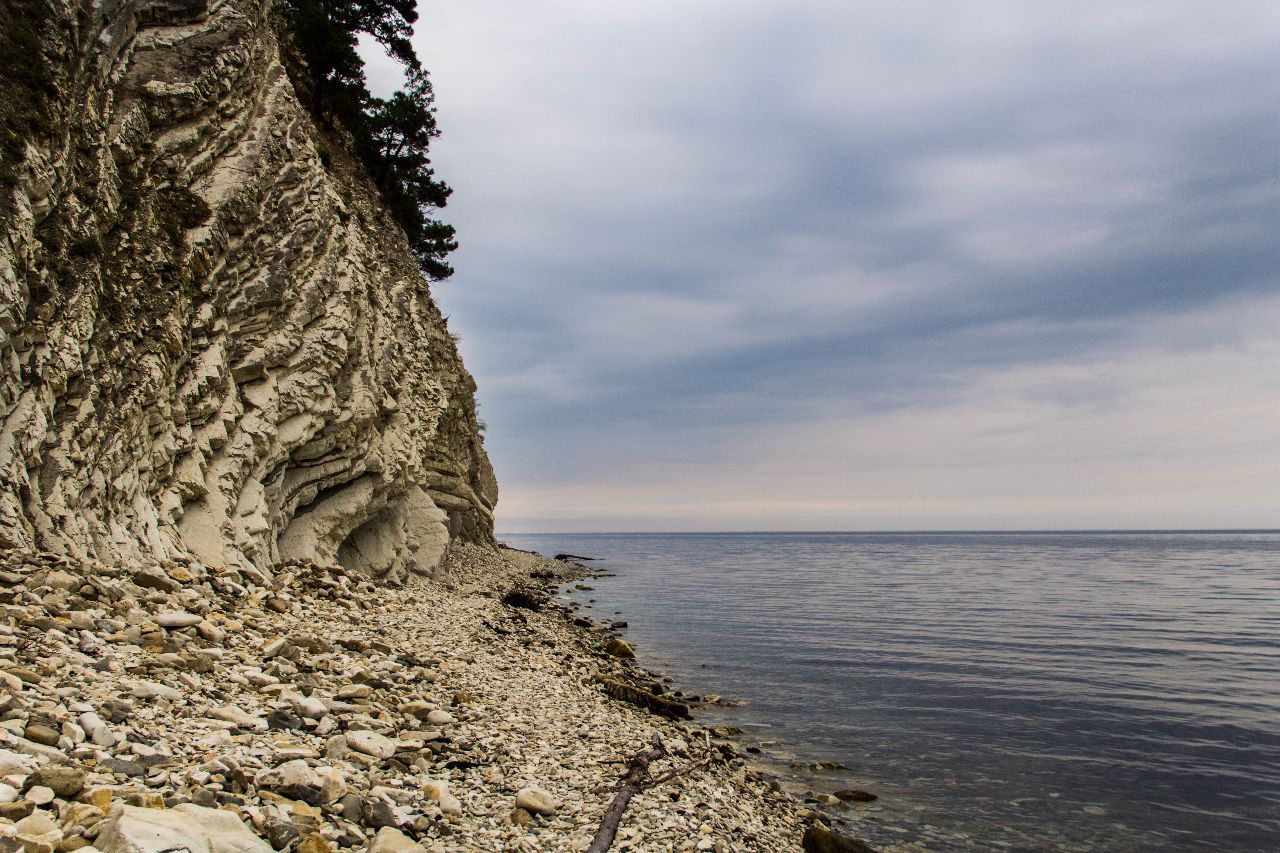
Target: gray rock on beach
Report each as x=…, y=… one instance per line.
x=308, y=707
x=536, y=801
x=64, y=781
x=183, y=828
x=151, y=690
x=440, y=718
x=438, y=790
x=97, y=730
x=371, y=743
x=177, y=619
x=240, y=718
x=294, y=779
x=391, y=840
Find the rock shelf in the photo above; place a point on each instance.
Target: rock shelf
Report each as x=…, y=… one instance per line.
x=174, y=706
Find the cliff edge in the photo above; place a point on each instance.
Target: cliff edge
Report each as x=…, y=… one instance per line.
x=215, y=344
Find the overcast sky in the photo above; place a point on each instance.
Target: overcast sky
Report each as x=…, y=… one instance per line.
x=834, y=265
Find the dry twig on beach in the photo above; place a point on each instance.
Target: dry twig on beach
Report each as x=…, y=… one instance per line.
x=636, y=780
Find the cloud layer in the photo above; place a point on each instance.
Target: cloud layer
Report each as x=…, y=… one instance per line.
x=830, y=265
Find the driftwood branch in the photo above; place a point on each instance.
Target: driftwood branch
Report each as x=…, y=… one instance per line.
x=680, y=771
x=636, y=780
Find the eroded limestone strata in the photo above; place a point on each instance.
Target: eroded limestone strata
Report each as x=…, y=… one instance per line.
x=216, y=344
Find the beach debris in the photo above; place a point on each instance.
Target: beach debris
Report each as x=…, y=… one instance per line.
x=623, y=691
x=637, y=779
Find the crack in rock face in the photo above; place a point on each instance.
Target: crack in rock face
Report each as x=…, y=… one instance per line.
x=215, y=343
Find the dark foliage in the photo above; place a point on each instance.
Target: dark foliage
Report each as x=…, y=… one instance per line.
x=391, y=137
x=27, y=27
x=400, y=133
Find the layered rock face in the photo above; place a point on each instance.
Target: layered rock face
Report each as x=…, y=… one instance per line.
x=216, y=343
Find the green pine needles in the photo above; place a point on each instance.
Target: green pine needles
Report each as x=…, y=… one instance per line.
x=391, y=137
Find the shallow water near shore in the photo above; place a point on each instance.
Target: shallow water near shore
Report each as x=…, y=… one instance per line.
x=999, y=691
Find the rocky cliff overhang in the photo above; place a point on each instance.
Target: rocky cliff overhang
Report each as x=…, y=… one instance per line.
x=216, y=343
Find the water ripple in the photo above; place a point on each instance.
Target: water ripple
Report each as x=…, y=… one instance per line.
x=1002, y=691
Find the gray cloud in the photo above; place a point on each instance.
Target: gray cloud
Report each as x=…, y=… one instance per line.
x=706, y=244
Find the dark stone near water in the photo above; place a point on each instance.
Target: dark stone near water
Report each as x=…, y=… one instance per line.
x=524, y=599
x=620, y=648
x=819, y=766
x=854, y=795
x=819, y=839
x=659, y=705
x=725, y=731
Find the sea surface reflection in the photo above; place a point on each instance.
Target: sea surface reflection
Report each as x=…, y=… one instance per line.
x=1081, y=691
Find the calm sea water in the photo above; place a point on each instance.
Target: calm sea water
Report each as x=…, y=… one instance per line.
x=1088, y=691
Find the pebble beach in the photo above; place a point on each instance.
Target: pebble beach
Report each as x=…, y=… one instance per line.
x=314, y=711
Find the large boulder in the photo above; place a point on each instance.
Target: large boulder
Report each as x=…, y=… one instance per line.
x=183, y=829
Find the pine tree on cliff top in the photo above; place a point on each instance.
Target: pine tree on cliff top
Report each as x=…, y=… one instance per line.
x=392, y=136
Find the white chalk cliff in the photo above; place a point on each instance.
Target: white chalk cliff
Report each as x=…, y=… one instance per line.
x=216, y=344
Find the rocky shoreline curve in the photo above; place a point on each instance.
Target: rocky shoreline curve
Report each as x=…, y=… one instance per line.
x=145, y=704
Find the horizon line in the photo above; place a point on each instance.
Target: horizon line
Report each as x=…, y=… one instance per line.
x=940, y=531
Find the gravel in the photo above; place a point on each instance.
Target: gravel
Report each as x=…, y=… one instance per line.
x=326, y=712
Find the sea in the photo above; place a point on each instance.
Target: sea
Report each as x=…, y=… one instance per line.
x=1114, y=691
